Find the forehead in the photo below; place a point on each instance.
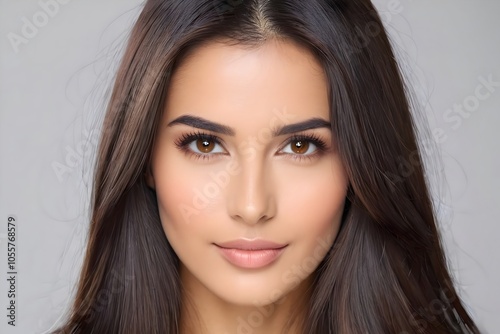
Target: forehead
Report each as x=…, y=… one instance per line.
x=233, y=82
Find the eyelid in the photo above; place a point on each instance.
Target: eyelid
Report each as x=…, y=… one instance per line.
x=311, y=138
x=321, y=148
x=191, y=136
x=185, y=140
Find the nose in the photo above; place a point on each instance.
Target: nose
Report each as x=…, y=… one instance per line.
x=250, y=197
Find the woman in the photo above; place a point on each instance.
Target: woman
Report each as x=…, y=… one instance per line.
x=247, y=180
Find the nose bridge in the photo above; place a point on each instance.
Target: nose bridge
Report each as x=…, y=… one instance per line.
x=251, y=197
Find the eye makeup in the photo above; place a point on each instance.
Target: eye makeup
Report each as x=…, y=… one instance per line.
x=206, y=146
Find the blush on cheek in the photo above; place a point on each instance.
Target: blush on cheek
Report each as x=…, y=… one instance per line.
x=174, y=196
x=185, y=200
x=317, y=210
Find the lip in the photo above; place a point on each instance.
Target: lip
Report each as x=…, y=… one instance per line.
x=246, y=244
x=250, y=254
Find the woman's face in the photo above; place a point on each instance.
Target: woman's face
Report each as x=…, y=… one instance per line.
x=250, y=187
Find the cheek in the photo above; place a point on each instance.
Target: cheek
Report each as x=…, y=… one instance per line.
x=186, y=195
x=314, y=202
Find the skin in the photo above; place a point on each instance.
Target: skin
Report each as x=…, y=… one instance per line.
x=251, y=185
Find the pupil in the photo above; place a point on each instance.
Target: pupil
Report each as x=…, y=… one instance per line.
x=300, y=147
x=205, y=145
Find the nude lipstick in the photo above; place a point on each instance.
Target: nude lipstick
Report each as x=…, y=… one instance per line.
x=250, y=254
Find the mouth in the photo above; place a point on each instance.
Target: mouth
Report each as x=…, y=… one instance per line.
x=250, y=254
x=246, y=244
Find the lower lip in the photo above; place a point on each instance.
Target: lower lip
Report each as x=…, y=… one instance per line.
x=251, y=259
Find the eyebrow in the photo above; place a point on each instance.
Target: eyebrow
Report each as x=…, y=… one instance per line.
x=313, y=123
x=201, y=123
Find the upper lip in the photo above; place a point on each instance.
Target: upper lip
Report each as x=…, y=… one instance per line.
x=246, y=244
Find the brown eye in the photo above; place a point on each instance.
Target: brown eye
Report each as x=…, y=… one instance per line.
x=205, y=145
x=299, y=146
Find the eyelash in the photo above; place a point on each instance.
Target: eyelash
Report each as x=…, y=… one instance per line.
x=321, y=147
x=183, y=144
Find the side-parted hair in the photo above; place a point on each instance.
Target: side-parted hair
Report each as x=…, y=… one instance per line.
x=386, y=271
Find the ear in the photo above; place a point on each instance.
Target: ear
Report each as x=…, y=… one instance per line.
x=148, y=177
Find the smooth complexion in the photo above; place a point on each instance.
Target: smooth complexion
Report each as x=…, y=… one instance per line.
x=244, y=154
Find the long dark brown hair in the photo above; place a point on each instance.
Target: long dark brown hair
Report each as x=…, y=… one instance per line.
x=386, y=272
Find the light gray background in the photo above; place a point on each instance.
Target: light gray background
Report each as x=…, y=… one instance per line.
x=53, y=88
